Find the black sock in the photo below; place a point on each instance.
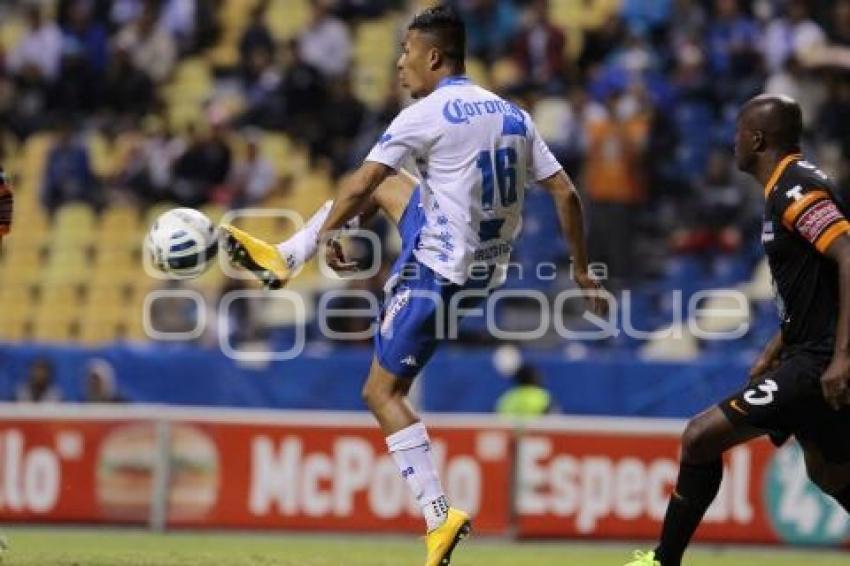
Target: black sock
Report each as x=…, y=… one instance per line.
x=695, y=490
x=843, y=497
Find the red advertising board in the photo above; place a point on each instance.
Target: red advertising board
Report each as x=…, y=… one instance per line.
x=562, y=477
x=295, y=474
x=341, y=477
x=51, y=470
x=615, y=484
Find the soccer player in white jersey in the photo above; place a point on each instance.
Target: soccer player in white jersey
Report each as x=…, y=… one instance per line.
x=457, y=222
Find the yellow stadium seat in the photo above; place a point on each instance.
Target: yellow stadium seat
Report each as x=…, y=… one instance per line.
x=119, y=221
x=135, y=331
x=17, y=313
x=62, y=300
x=29, y=227
x=56, y=316
x=51, y=329
x=132, y=274
x=16, y=300
x=21, y=272
x=74, y=224
x=102, y=154
x=17, y=330
x=115, y=260
x=582, y=14
x=478, y=72
x=12, y=30
x=214, y=212
x=103, y=312
x=286, y=18
x=35, y=153
x=106, y=303
x=311, y=191
x=98, y=332
x=69, y=266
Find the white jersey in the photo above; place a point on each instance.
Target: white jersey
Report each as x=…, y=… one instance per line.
x=478, y=153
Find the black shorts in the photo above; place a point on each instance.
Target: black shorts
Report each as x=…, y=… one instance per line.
x=788, y=401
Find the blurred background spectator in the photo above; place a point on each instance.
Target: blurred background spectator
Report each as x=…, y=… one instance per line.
x=100, y=384
x=325, y=43
x=526, y=397
x=38, y=386
x=68, y=176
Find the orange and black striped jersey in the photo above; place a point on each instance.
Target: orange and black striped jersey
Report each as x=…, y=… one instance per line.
x=5, y=205
x=802, y=217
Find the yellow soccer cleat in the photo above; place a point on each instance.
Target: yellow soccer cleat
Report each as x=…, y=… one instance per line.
x=443, y=540
x=255, y=255
x=643, y=559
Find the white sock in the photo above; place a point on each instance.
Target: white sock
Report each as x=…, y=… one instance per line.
x=302, y=246
x=411, y=450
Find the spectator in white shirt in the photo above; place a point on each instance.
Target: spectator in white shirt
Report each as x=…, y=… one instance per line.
x=152, y=47
x=326, y=43
x=41, y=48
x=253, y=178
x=790, y=36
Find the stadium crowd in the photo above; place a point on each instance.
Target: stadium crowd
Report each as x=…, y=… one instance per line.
x=637, y=99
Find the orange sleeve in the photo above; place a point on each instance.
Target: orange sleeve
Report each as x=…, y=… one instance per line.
x=824, y=240
x=798, y=207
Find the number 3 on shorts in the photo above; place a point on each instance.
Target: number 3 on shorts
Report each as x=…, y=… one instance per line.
x=768, y=388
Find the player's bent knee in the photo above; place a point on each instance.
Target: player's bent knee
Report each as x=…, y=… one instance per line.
x=696, y=444
x=380, y=388
x=373, y=395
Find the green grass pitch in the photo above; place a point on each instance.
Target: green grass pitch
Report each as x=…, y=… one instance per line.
x=110, y=547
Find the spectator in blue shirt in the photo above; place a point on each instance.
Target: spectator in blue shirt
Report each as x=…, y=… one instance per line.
x=88, y=34
x=732, y=35
x=491, y=26
x=68, y=175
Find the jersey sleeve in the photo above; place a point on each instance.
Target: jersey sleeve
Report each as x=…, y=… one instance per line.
x=542, y=163
x=812, y=213
x=410, y=134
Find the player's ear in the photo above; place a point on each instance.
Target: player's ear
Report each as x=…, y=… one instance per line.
x=758, y=140
x=434, y=58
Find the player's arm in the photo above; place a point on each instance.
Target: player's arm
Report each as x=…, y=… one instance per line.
x=571, y=217
x=811, y=212
x=410, y=133
x=353, y=199
x=836, y=380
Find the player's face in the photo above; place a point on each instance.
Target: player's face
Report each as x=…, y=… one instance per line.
x=414, y=64
x=744, y=150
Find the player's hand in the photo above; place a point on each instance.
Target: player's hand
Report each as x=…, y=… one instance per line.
x=335, y=257
x=766, y=362
x=835, y=381
x=597, y=299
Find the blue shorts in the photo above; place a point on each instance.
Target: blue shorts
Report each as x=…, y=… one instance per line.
x=418, y=309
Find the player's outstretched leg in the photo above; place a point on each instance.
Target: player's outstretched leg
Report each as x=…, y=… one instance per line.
x=273, y=264
x=407, y=440
x=704, y=441
x=832, y=478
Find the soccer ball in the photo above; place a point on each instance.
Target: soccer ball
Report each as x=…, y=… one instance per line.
x=182, y=243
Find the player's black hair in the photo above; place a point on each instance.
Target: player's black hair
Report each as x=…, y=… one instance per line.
x=446, y=27
x=781, y=119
